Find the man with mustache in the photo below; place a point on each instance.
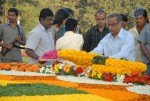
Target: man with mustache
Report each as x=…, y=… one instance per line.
x=12, y=34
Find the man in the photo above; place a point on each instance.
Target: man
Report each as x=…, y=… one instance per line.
x=144, y=40
x=141, y=19
x=119, y=43
x=12, y=36
x=40, y=39
x=96, y=33
x=70, y=40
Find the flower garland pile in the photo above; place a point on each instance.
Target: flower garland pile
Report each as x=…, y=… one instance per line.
x=78, y=57
x=121, y=67
x=20, y=67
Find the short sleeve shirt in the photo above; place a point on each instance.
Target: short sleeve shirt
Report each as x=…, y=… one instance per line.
x=145, y=38
x=40, y=41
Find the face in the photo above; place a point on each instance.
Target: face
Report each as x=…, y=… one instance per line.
x=140, y=21
x=47, y=22
x=100, y=19
x=114, y=26
x=12, y=17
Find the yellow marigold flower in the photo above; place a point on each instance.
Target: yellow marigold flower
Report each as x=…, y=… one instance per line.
x=67, y=68
x=56, y=67
x=78, y=57
x=99, y=75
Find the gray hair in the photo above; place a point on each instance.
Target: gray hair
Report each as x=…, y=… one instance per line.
x=117, y=16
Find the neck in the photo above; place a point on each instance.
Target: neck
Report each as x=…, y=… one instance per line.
x=101, y=28
x=13, y=24
x=139, y=28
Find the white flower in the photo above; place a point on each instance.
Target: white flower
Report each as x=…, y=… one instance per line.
x=42, y=69
x=120, y=78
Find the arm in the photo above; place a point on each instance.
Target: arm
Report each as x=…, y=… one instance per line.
x=145, y=50
x=31, y=53
x=143, y=40
x=21, y=39
x=100, y=48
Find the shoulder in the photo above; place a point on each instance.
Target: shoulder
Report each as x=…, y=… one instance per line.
x=92, y=28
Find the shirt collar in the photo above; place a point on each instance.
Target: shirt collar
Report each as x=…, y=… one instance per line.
x=43, y=28
x=69, y=33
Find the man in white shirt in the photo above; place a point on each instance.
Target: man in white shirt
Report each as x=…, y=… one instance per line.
x=119, y=43
x=40, y=39
x=70, y=40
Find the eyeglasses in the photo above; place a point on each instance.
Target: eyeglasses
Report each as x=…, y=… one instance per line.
x=112, y=25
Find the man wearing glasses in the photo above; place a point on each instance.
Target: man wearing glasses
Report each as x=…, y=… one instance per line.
x=96, y=33
x=119, y=43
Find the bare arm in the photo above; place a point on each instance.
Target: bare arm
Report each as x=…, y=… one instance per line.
x=31, y=53
x=145, y=50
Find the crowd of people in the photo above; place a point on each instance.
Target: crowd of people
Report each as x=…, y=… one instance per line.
x=108, y=37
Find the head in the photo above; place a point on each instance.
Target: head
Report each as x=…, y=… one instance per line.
x=46, y=17
x=141, y=16
x=71, y=24
x=60, y=17
x=13, y=15
x=70, y=12
x=114, y=22
x=100, y=18
x=124, y=20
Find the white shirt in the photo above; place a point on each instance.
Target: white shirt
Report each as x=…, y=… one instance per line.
x=70, y=40
x=138, y=52
x=122, y=46
x=40, y=40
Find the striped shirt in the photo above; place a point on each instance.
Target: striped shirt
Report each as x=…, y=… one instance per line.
x=93, y=37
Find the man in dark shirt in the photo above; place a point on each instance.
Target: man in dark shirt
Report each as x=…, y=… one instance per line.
x=96, y=33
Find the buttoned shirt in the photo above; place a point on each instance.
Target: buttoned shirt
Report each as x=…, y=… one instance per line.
x=93, y=37
x=122, y=46
x=40, y=40
x=70, y=40
x=138, y=52
x=145, y=38
x=8, y=35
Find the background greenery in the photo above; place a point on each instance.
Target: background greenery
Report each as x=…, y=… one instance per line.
x=84, y=9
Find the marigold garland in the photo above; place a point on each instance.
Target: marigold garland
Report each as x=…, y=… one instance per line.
x=121, y=67
x=78, y=57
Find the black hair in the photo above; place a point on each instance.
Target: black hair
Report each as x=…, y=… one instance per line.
x=45, y=12
x=124, y=18
x=71, y=24
x=69, y=10
x=14, y=10
x=145, y=15
x=60, y=15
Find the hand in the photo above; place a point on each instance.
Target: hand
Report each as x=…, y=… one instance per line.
x=7, y=45
x=18, y=38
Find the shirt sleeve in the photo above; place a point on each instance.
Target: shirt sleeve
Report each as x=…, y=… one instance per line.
x=142, y=37
x=127, y=47
x=100, y=48
x=33, y=41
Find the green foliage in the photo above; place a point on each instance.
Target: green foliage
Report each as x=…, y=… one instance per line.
x=84, y=10
x=36, y=89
